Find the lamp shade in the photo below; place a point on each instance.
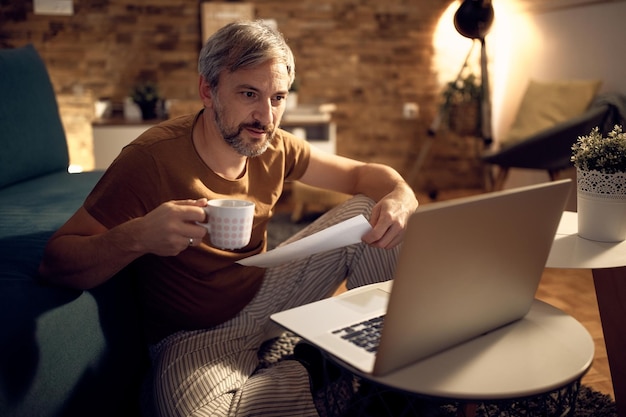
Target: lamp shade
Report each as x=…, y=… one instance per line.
x=473, y=19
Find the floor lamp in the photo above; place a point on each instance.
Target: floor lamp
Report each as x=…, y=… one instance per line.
x=473, y=19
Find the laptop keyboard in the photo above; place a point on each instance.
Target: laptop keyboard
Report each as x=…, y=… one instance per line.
x=365, y=334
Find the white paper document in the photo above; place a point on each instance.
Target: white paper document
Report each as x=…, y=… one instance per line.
x=339, y=235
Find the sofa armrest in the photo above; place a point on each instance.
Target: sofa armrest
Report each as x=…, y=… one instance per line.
x=69, y=353
x=62, y=352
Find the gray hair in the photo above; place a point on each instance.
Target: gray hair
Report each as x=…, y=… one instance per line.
x=243, y=45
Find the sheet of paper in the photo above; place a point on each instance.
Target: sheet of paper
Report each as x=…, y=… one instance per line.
x=342, y=234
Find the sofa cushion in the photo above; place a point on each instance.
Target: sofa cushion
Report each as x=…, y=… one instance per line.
x=43, y=204
x=31, y=133
x=547, y=103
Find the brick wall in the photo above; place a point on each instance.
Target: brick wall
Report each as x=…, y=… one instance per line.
x=368, y=57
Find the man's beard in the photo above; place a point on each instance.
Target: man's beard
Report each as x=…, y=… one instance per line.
x=232, y=136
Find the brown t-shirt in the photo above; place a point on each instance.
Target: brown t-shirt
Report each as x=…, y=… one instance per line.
x=202, y=286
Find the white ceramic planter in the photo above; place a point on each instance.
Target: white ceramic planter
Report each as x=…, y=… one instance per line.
x=601, y=200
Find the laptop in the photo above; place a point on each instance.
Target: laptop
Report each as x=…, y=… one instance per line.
x=466, y=267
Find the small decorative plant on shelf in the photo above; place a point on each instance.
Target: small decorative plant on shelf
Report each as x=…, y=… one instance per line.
x=601, y=184
x=146, y=96
x=461, y=105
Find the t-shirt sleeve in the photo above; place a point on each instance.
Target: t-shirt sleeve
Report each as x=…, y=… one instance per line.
x=121, y=194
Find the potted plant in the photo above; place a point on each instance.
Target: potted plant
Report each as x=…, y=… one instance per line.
x=461, y=105
x=146, y=96
x=601, y=184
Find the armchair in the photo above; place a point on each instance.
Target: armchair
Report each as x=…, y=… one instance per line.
x=550, y=148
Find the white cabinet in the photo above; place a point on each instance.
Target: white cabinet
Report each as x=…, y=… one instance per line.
x=109, y=137
x=316, y=127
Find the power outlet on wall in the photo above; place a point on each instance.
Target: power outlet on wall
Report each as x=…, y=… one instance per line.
x=410, y=110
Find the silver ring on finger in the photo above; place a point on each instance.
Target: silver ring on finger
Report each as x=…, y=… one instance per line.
x=190, y=241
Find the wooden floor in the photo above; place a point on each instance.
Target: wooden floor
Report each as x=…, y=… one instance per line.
x=572, y=291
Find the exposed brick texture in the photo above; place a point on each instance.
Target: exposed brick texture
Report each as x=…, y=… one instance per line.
x=366, y=56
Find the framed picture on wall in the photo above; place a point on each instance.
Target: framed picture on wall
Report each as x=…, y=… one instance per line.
x=215, y=15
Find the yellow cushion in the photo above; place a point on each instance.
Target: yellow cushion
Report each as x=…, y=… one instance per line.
x=546, y=104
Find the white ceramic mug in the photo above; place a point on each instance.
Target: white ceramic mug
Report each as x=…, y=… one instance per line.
x=230, y=222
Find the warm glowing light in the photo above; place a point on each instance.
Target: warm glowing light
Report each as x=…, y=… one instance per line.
x=451, y=48
x=508, y=42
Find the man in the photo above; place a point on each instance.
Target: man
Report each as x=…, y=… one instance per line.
x=205, y=315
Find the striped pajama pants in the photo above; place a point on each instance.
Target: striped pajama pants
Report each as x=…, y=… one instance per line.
x=213, y=372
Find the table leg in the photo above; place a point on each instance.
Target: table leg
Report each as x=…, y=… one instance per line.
x=610, y=284
x=466, y=410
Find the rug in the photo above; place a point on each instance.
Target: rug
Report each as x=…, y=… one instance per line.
x=589, y=403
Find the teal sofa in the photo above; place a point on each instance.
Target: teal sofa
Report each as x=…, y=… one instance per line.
x=62, y=352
